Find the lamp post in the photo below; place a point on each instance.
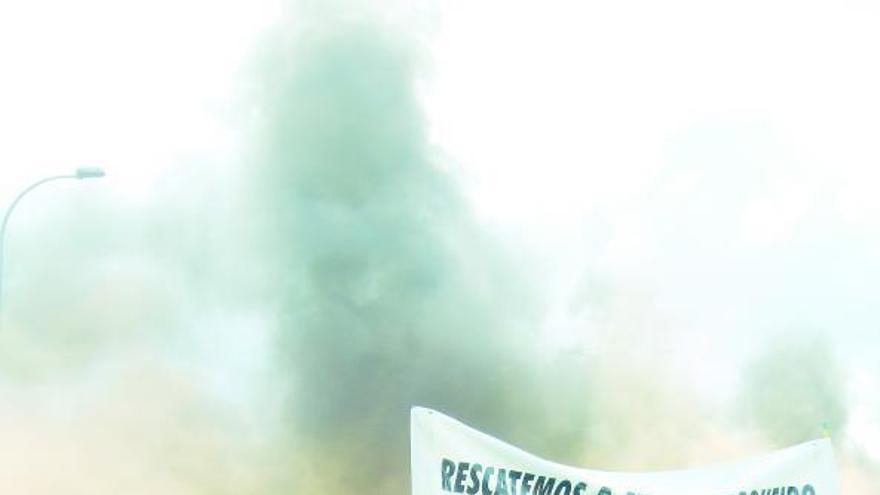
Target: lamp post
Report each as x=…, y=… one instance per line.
x=80, y=173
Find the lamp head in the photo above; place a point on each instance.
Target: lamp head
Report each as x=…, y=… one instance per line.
x=89, y=172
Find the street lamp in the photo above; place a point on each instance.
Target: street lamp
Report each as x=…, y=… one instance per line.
x=80, y=173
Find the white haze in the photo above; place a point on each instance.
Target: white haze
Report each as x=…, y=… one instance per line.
x=688, y=184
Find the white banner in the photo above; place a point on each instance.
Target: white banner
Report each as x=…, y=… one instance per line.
x=449, y=457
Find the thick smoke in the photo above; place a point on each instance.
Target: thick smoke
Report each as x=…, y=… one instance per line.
x=103, y=371
x=265, y=326
x=794, y=392
x=389, y=295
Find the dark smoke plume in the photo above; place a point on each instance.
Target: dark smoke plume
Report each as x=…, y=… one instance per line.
x=388, y=293
x=794, y=392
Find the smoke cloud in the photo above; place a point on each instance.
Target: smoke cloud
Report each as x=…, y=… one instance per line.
x=389, y=294
x=264, y=322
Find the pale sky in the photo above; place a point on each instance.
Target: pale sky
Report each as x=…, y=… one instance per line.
x=721, y=156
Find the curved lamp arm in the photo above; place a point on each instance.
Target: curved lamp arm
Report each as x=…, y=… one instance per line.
x=81, y=173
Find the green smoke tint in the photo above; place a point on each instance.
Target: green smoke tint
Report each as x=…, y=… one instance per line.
x=389, y=295
x=359, y=257
x=794, y=392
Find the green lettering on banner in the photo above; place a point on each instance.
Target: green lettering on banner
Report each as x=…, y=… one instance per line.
x=475, y=479
x=563, y=484
x=501, y=486
x=487, y=475
x=544, y=485
x=527, y=483
x=460, y=477
x=514, y=477
x=447, y=467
